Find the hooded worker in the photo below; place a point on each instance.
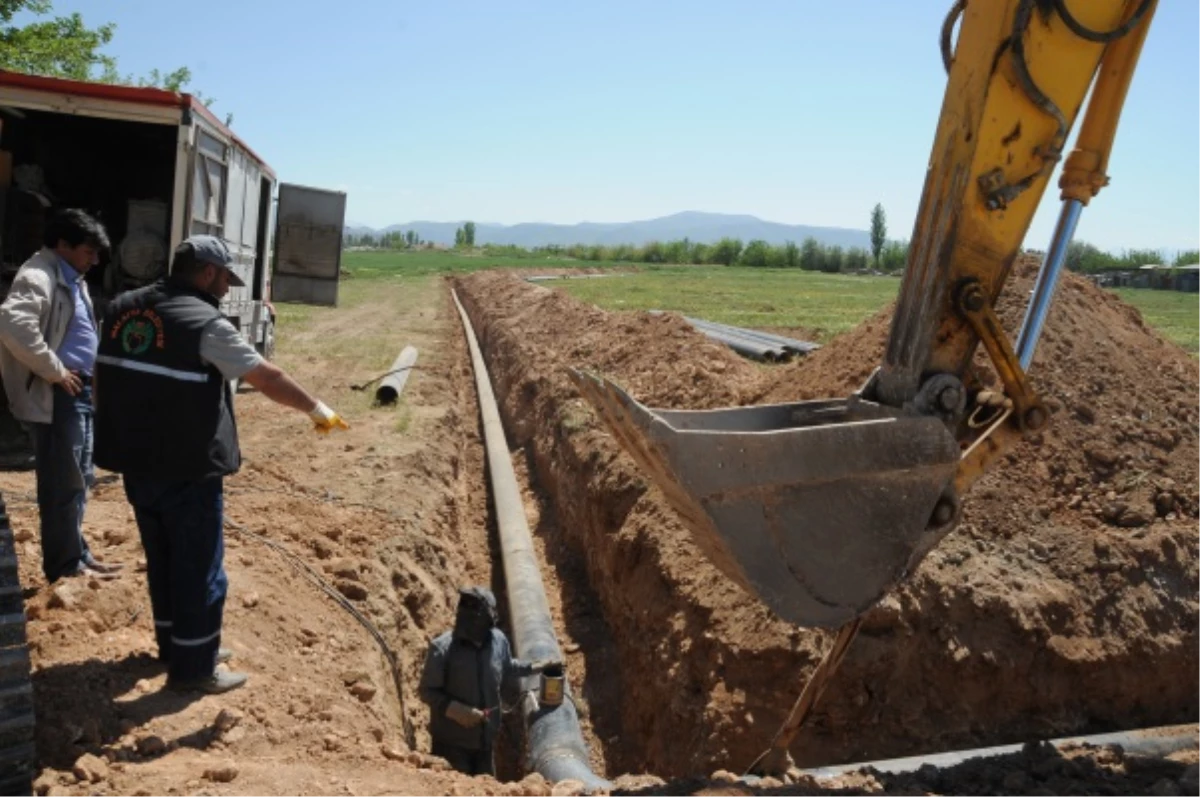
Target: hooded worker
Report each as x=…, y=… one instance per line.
x=469, y=673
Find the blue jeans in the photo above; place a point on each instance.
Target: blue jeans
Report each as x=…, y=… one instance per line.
x=181, y=528
x=63, y=449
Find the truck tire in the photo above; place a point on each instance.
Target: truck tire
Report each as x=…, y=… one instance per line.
x=17, y=752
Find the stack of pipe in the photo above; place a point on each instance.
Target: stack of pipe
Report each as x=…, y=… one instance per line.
x=752, y=343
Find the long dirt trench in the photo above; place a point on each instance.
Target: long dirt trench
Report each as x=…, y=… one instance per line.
x=1064, y=604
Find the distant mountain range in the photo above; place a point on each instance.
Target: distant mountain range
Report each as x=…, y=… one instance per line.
x=693, y=225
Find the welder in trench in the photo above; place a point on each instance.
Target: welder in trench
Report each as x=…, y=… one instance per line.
x=469, y=674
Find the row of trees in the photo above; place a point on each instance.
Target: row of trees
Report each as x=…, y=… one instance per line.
x=810, y=254
x=464, y=236
x=1088, y=259
x=389, y=240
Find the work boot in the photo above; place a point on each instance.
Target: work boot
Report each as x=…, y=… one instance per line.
x=102, y=567
x=81, y=570
x=215, y=684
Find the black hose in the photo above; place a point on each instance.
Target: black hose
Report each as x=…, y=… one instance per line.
x=1102, y=37
x=948, y=30
x=1017, y=44
x=320, y=583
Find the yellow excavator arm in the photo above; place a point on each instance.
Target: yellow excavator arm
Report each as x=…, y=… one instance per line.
x=1017, y=78
x=819, y=508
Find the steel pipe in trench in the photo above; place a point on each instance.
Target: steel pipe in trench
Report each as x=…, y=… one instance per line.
x=556, y=746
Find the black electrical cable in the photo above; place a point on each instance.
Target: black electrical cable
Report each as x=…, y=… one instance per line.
x=381, y=377
x=1102, y=37
x=320, y=583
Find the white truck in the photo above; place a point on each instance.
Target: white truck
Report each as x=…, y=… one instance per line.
x=155, y=166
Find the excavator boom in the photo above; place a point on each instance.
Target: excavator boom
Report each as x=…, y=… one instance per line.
x=819, y=508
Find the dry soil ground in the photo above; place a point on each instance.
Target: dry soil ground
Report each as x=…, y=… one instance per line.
x=1066, y=603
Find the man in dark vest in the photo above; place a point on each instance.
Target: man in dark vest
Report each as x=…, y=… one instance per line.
x=469, y=673
x=164, y=420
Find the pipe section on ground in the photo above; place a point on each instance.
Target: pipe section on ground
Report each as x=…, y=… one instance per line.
x=755, y=350
x=391, y=386
x=556, y=746
x=750, y=343
x=1153, y=742
x=791, y=345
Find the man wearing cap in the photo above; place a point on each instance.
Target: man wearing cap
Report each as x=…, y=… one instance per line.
x=469, y=672
x=164, y=420
x=48, y=331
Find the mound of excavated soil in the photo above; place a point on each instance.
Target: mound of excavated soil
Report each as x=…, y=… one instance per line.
x=1065, y=603
x=1122, y=447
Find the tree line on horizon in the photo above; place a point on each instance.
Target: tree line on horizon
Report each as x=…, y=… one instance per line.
x=809, y=255
x=1088, y=259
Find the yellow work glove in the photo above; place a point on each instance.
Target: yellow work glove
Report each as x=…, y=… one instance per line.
x=326, y=419
x=464, y=715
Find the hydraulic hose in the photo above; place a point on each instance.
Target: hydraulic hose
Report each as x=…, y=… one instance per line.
x=556, y=746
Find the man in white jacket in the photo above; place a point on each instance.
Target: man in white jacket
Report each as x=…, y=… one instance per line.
x=49, y=336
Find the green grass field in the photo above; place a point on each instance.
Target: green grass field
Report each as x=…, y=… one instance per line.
x=1172, y=313
x=824, y=305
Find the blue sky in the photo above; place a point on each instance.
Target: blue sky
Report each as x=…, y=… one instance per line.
x=566, y=111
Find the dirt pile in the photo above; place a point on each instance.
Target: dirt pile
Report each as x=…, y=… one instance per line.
x=1124, y=401
x=1050, y=611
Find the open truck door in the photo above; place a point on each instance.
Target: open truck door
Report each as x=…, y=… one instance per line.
x=308, y=244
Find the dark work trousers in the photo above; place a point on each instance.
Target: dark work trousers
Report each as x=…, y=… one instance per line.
x=63, y=449
x=470, y=762
x=182, y=534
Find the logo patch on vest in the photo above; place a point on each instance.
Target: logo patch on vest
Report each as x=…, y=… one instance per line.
x=138, y=330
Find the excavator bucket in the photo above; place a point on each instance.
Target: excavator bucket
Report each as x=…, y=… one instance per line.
x=818, y=508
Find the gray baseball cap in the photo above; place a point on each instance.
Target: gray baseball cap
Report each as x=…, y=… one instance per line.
x=209, y=249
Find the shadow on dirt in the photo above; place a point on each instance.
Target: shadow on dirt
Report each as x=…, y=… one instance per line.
x=98, y=715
